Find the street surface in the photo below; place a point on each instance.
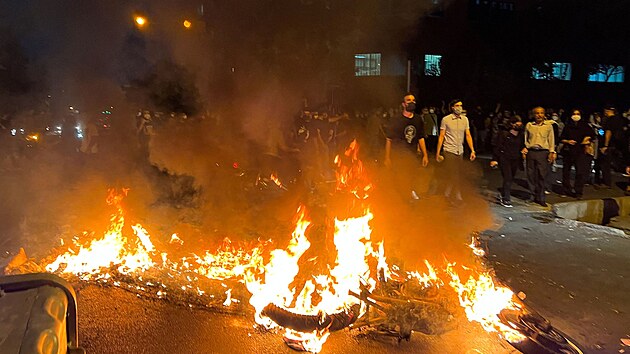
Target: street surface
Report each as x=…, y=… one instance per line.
x=112, y=320
x=576, y=275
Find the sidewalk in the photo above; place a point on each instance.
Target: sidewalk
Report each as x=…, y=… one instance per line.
x=491, y=182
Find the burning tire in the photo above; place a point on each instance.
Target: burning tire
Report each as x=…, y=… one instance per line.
x=311, y=323
x=542, y=337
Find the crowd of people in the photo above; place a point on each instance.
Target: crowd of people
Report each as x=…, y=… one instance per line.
x=588, y=147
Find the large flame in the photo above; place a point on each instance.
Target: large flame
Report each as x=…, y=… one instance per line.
x=281, y=276
x=483, y=300
x=113, y=249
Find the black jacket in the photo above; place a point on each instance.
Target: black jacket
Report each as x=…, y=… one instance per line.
x=507, y=145
x=576, y=131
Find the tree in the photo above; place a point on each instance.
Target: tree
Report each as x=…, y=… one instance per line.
x=14, y=69
x=171, y=88
x=605, y=71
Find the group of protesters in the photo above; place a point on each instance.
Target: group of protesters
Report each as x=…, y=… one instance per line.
x=592, y=145
x=587, y=145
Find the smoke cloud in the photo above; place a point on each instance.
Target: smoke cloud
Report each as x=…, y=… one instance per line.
x=252, y=72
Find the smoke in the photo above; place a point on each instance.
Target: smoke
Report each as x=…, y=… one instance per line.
x=252, y=70
x=434, y=227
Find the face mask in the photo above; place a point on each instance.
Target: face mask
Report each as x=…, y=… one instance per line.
x=458, y=110
x=411, y=106
x=575, y=117
x=432, y=111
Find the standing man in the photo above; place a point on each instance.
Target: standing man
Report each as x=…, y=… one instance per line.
x=576, y=138
x=404, y=141
x=539, y=152
x=454, y=129
x=612, y=146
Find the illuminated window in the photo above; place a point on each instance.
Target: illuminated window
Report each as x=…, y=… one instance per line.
x=432, y=65
x=552, y=71
x=606, y=73
x=367, y=64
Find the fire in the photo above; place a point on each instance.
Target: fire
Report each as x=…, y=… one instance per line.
x=323, y=294
x=113, y=249
x=351, y=175
x=276, y=180
x=483, y=301
x=281, y=277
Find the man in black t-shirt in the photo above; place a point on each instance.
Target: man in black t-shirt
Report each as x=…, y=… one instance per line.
x=614, y=144
x=404, y=141
x=406, y=131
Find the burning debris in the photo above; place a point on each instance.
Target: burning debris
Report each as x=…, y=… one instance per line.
x=306, y=296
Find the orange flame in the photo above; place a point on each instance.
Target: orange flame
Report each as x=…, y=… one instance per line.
x=358, y=263
x=351, y=175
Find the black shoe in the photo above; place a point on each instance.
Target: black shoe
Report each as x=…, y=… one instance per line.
x=506, y=203
x=542, y=204
x=579, y=197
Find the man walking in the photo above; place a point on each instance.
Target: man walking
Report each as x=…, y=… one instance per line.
x=506, y=154
x=454, y=129
x=405, y=140
x=576, y=138
x=539, y=152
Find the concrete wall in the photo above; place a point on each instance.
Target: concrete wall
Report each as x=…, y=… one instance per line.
x=591, y=211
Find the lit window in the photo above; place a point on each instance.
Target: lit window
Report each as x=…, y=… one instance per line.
x=432, y=65
x=606, y=73
x=552, y=71
x=367, y=64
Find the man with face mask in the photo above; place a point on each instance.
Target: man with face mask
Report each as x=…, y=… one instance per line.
x=576, y=138
x=506, y=154
x=405, y=139
x=454, y=129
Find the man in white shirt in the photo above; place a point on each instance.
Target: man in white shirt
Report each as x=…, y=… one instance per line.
x=539, y=152
x=454, y=129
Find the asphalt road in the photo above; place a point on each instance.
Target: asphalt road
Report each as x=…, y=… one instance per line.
x=574, y=274
x=112, y=320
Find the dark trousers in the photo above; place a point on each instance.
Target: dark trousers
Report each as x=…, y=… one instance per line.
x=605, y=165
x=537, y=169
x=508, y=171
x=453, y=170
x=582, y=164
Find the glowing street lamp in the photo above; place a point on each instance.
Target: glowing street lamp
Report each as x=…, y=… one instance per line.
x=140, y=21
x=187, y=24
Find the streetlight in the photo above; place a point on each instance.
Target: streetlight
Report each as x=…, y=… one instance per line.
x=187, y=24
x=140, y=21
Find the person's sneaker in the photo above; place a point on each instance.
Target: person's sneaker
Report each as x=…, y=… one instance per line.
x=543, y=204
x=506, y=203
x=579, y=197
x=547, y=192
